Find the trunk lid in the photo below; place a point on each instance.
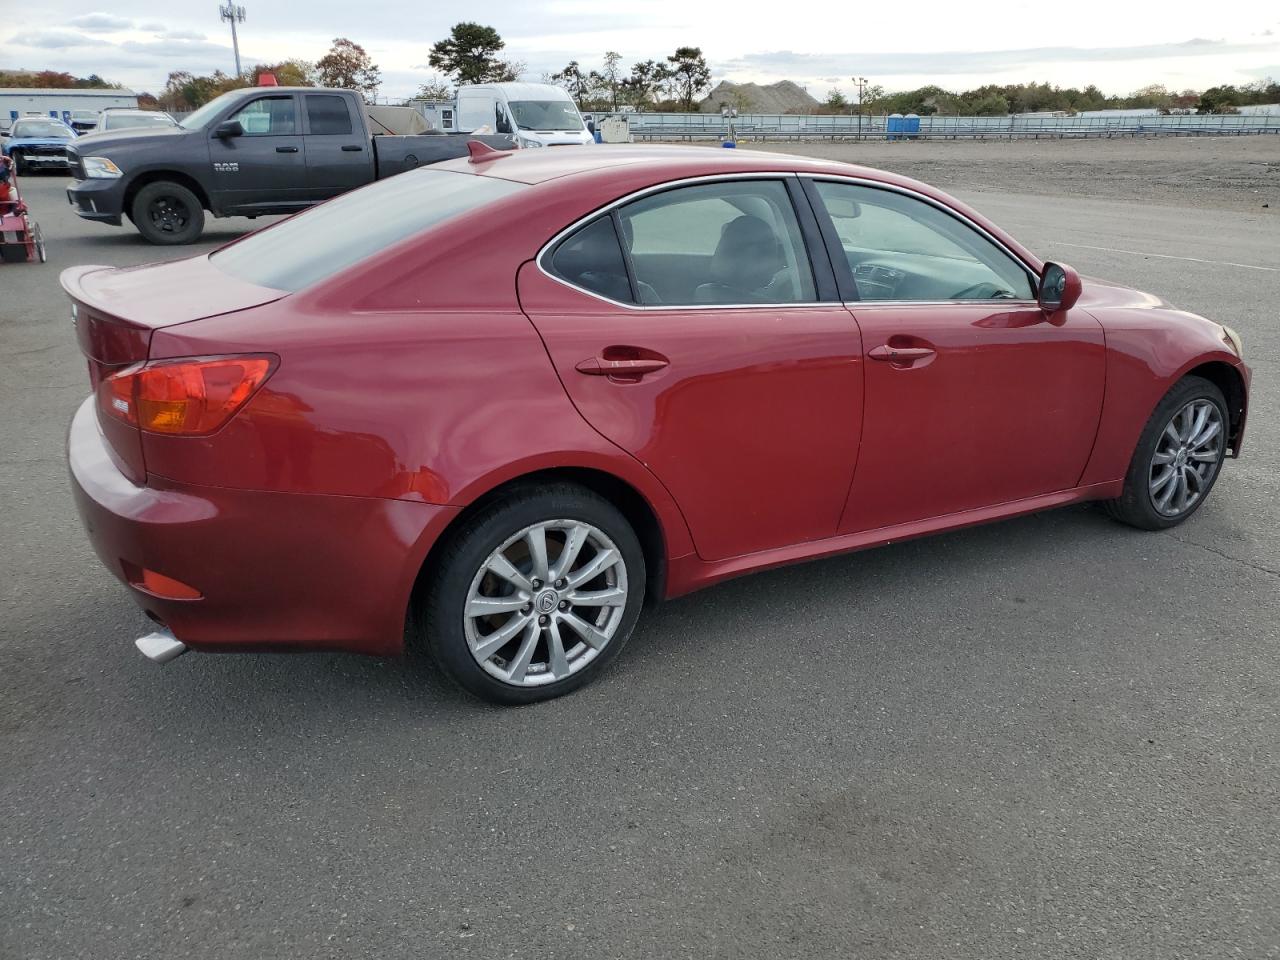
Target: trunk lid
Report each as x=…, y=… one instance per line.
x=115, y=312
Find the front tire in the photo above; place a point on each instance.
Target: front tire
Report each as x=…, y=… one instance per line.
x=1178, y=457
x=167, y=213
x=534, y=596
x=19, y=163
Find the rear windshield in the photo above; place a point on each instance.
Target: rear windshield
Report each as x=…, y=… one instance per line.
x=317, y=243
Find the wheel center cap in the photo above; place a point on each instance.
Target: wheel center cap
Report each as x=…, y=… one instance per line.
x=546, y=601
x=1181, y=459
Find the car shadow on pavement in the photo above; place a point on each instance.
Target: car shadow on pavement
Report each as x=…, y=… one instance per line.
x=739, y=622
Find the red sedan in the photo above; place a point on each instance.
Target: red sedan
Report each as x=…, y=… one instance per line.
x=502, y=401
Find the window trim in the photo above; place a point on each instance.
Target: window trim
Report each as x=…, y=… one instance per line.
x=844, y=275
x=297, y=114
x=780, y=176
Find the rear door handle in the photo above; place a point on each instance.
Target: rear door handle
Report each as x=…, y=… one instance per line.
x=899, y=354
x=286, y=149
x=621, y=369
x=352, y=148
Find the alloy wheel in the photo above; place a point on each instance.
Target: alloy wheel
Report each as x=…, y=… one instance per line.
x=1187, y=456
x=546, y=603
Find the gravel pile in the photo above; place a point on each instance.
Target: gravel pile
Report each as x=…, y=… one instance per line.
x=781, y=97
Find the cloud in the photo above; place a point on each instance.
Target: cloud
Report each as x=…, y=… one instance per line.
x=56, y=40
x=195, y=50
x=100, y=22
x=180, y=35
x=789, y=63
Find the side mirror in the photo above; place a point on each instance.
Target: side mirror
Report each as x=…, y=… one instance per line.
x=228, y=128
x=1059, y=287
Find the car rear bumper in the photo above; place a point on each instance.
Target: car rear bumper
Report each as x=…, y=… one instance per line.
x=273, y=570
x=101, y=200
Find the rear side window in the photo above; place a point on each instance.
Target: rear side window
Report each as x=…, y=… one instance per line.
x=317, y=243
x=328, y=115
x=591, y=259
x=732, y=243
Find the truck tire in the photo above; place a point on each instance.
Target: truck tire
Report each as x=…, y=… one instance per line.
x=19, y=165
x=167, y=213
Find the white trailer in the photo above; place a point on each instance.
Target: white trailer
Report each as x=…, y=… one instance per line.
x=77, y=107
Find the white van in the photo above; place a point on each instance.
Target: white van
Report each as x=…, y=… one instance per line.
x=537, y=114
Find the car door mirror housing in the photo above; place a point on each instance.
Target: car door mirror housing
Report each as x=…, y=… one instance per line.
x=228, y=128
x=1059, y=287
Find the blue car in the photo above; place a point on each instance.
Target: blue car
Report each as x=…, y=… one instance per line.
x=38, y=143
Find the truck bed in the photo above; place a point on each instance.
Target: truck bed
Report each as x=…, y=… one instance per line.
x=394, y=155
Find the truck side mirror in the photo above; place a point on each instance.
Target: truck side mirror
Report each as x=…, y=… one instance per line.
x=228, y=128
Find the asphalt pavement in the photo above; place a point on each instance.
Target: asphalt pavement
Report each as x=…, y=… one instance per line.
x=1051, y=737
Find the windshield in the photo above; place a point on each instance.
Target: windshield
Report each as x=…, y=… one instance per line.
x=123, y=121
x=42, y=128
x=545, y=115
x=206, y=113
x=317, y=243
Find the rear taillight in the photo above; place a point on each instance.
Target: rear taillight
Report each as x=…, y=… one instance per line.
x=186, y=398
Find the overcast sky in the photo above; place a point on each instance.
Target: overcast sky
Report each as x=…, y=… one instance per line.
x=1118, y=45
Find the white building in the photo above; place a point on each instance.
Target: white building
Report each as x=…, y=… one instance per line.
x=71, y=106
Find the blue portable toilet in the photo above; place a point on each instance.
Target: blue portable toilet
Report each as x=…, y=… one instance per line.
x=911, y=125
x=894, y=126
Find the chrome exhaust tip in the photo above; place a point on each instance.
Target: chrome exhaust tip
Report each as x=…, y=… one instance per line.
x=161, y=646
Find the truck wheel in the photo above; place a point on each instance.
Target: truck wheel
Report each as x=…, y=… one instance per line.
x=167, y=213
x=19, y=164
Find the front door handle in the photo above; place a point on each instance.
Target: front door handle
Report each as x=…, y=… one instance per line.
x=625, y=370
x=352, y=148
x=286, y=149
x=900, y=354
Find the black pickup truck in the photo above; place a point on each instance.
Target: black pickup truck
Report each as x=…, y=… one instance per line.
x=259, y=150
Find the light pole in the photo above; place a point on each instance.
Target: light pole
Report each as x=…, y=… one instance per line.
x=860, y=83
x=233, y=14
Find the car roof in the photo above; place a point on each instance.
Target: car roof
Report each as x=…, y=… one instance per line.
x=661, y=161
x=605, y=172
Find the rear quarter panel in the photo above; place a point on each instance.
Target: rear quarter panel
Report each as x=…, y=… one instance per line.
x=419, y=378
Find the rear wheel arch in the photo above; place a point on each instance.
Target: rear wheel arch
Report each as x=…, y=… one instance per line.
x=639, y=512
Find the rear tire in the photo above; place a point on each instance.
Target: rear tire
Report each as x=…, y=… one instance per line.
x=1178, y=457
x=557, y=621
x=167, y=213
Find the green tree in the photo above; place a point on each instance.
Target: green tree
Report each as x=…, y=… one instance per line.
x=641, y=87
x=288, y=73
x=690, y=76
x=348, y=66
x=610, y=77
x=470, y=55
x=836, y=101
x=437, y=88
x=575, y=81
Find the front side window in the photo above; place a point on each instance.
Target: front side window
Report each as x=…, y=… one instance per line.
x=328, y=115
x=268, y=117
x=735, y=242
x=902, y=248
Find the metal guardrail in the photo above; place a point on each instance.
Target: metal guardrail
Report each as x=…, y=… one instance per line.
x=781, y=126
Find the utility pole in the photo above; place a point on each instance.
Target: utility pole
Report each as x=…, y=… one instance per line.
x=232, y=14
x=860, y=83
